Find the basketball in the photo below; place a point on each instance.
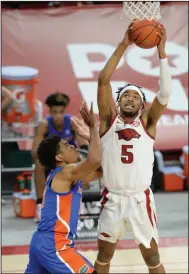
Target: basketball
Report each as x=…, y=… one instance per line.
x=143, y=33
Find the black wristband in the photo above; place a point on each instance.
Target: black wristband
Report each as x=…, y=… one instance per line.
x=39, y=201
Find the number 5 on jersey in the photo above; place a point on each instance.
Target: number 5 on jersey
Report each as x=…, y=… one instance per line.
x=126, y=154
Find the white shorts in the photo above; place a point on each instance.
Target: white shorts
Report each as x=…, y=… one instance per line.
x=135, y=211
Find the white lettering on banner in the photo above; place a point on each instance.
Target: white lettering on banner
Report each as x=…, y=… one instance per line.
x=136, y=59
x=82, y=66
x=178, y=100
x=173, y=120
x=89, y=91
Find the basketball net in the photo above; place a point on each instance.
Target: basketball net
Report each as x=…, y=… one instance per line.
x=135, y=10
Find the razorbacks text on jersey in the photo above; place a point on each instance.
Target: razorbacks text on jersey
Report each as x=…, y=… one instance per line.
x=67, y=133
x=127, y=156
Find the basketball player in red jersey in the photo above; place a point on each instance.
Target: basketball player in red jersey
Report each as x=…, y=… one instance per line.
x=52, y=245
x=127, y=138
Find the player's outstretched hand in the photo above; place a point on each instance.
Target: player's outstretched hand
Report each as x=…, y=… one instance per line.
x=80, y=128
x=126, y=40
x=163, y=37
x=88, y=115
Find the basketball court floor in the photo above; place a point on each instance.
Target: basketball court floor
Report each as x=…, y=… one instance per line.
x=172, y=209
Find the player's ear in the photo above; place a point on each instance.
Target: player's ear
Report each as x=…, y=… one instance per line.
x=59, y=158
x=118, y=103
x=141, y=108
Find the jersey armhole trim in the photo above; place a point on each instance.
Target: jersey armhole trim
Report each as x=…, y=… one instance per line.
x=112, y=121
x=49, y=123
x=144, y=127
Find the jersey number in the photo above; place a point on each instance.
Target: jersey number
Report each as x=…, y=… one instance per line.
x=126, y=155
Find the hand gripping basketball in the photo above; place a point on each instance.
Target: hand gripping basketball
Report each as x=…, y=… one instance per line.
x=146, y=33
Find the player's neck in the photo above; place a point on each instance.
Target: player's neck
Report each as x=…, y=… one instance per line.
x=59, y=128
x=60, y=164
x=126, y=119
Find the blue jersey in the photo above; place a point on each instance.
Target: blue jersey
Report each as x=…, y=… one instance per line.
x=60, y=212
x=67, y=133
x=52, y=248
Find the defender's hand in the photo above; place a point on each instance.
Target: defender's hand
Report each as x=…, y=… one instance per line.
x=80, y=128
x=88, y=116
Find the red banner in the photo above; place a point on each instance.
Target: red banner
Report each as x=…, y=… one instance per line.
x=70, y=46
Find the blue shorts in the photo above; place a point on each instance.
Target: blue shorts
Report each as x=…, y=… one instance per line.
x=44, y=259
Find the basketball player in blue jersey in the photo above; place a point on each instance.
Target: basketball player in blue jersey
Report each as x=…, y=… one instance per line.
x=52, y=245
x=57, y=123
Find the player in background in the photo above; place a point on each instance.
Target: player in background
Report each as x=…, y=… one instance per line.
x=58, y=123
x=52, y=245
x=127, y=137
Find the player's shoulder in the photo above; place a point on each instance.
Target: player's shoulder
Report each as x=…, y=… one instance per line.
x=67, y=116
x=67, y=119
x=48, y=118
x=66, y=172
x=43, y=122
x=43, y=125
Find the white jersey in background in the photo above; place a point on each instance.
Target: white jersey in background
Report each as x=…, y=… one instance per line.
x=127, y=156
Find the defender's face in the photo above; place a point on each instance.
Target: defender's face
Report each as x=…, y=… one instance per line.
x=68, y=153
x=57, y=113
x=130, y=103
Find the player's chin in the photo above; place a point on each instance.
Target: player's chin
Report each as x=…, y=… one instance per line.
x=129, y=113
x=78, y=157
x=74, y=156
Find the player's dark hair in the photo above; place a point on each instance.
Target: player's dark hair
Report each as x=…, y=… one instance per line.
x=57, y=99
x=47, y=151
x=127, y=85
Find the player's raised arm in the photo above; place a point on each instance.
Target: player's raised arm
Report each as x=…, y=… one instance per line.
x=80, y=171
x=161, y=100
x=83, y=130
x=95, y=175
x=106, y=105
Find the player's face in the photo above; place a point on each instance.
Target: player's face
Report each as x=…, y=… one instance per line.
x=130, y=103
x=57, y=113
x=68, y=153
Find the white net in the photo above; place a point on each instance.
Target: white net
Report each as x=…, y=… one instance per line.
x=142, y=10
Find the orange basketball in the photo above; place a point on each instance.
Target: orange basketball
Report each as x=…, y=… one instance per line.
x=143, y=33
